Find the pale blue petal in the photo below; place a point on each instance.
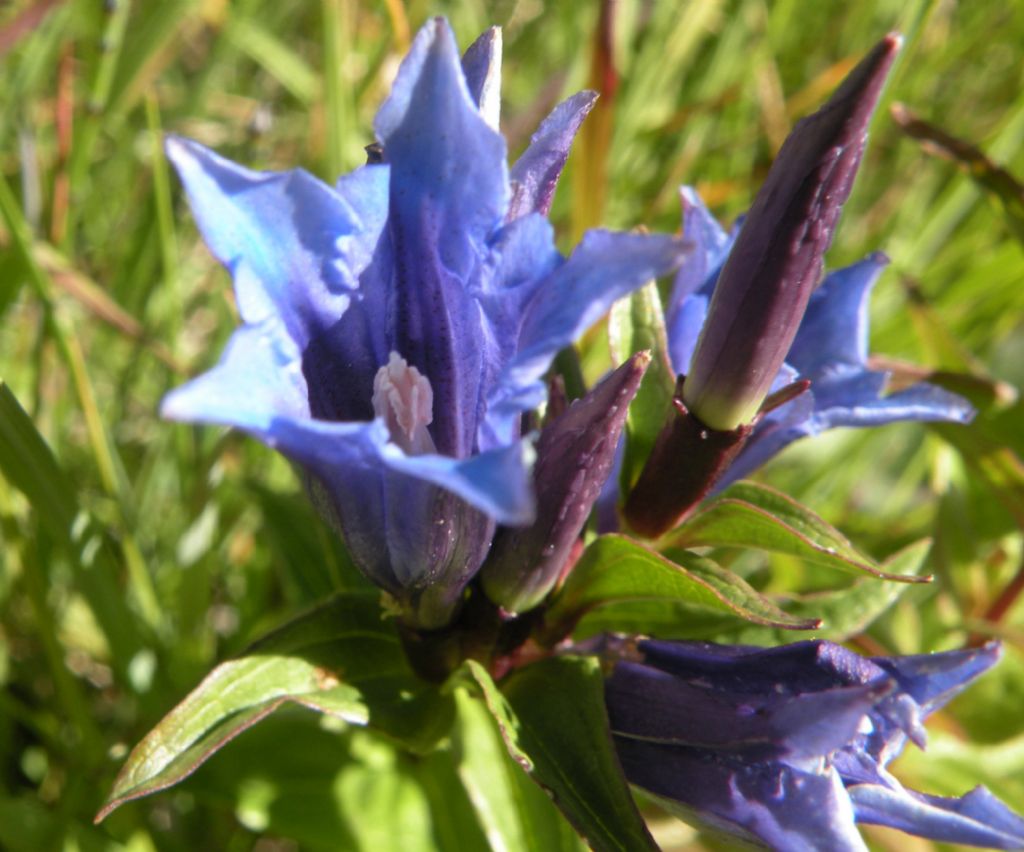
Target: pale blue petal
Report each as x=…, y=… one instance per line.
x=449, y=190
x=257, y=380
x=496, y=482
x=834, y=329
x=285, y=237
x=524, y=255
x=976, y=819
x=855, y=401
x=932, y=680
x=695, y=281
x=535, y=174
x=604, y=267
x=853, y=398
x=365, y=191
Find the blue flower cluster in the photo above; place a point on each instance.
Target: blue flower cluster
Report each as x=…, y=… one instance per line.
x=397, y=326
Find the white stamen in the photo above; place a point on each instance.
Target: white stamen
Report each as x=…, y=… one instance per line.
x=403, y=398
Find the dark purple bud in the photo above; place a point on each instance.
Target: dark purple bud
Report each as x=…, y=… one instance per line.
x=777, y=260
x=574, y=456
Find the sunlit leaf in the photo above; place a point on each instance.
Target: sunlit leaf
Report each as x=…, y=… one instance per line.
x=749, y=515
x=552, y=719
x=341, y=659
x=513, y=810
x=617, y=570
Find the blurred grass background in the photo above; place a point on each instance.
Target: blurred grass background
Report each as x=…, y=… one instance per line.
x=136, y=553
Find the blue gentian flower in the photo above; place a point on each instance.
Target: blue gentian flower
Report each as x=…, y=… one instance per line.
x=397, y=325
x=830, y=349
x=787, y=747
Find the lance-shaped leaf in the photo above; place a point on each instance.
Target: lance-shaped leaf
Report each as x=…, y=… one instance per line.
x=514, y=811
x=842, y=612
x=777, y=260
x=340, y=658
x=553, y=721
x=574, y=456
x=615, y=569
x=754, y=516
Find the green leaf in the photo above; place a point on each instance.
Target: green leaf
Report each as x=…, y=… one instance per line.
x=514, y=811
x=552, y=719
x=275, y=56
x=28, y=464
x=340, y=659
x=749, y=515
x=634, y=324
x=844, y=612
x=615, y=570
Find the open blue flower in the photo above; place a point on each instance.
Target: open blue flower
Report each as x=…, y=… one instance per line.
x=830, y=349
x=787, y=747
x=396, y=326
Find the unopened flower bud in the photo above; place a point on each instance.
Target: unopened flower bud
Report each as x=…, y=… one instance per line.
x=574, y=456
x=777, y=260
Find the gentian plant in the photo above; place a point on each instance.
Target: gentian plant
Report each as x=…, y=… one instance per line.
x=397, y=340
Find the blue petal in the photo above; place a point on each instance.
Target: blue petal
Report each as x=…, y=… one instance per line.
x=285, y=238
x=769, y=804
x=932, y=680
x=834, y=329
x=257, y=380
x=976, y=819
x=524, y=255
x=655, y=706
x=259, y=387
x=535, y=174
x=847, y=399
x=696, y=278
x=854, y=401
x=448, y=194
x=481, y=63
x=305, y=254
x=340, y=362
x=800, y=667
x=365, y=191
x=604, y=267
